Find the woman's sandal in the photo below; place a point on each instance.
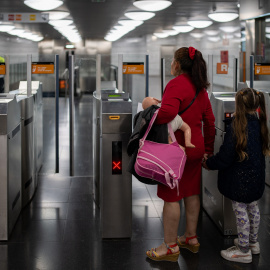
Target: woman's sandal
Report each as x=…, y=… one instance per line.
x=192, y=248
x=170, y=256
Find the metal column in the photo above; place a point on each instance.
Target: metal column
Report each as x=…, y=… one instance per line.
x=210, y=74
x=57, y=113
x=147, y=75
x=120, y=73
x=71, y=115
x=251, y=74
x=235, y=81
x=162, y=75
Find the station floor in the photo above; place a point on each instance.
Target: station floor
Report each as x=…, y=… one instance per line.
x=60, y=228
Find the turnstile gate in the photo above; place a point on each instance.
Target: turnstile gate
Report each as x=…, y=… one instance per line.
x=112, y=126
x=27, y=147
x=266, y=93
x=218, y=207
x=10, y=163
x=38, y=123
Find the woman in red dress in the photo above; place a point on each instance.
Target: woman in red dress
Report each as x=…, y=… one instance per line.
x=189, y=69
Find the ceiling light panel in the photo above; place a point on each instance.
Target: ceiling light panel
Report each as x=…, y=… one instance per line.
x=223, y=16
x=16, y=32
x=152, y=5
x=130, y=22
x=211, y=32
x=59, y=23
x=161, y=35
x=229, y=29
x=57, y=15
x=6, y=27
x=199, y=23
x=214, y=39
x=183, y=28
x=139, y=15
x=171, y=32
x=197, y=35
x=43, y=4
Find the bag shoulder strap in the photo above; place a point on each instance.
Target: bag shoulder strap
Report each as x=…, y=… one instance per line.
x=151, y=124
x=197, y=92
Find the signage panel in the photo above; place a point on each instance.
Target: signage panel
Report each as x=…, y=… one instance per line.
x=262, y=69
x=42, y=68
x=133, y=68
x=2, y=69
x=25, y=17
x=222, y=68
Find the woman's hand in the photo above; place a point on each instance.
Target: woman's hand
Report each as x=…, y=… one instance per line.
x=205, y=157
x=157, y=100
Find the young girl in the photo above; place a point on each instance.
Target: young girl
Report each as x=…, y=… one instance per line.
x=241, y=176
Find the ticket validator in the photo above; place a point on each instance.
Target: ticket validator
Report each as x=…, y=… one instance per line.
x=10, y=164
x=112, y=126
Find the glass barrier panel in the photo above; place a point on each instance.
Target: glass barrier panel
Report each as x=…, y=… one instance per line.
x=223, y=74
x=17, y=70
x=134, y=80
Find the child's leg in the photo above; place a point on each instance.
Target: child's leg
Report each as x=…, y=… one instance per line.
x=243, y=225
x=254, y=219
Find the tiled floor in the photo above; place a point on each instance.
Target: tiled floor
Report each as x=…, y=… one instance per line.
x=60, y=228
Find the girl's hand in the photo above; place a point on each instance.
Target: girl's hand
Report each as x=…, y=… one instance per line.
x=204, y=165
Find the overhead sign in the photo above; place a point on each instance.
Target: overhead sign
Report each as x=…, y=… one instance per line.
x=133, y=68
x=42, y=68
x=262, y=69
x=224, y=56
x=25, y=17
x=222, y=68
x=2, y=69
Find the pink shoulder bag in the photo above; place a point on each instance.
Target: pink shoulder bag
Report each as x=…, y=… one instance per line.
x=163, y=163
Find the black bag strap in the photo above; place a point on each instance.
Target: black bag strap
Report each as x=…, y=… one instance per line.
x=197, y=92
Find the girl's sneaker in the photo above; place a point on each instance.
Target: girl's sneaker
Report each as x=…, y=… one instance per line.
x=254, y=247
x=236, y=255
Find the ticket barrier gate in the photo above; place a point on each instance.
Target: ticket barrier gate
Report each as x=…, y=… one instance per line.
x=266, y=93
x=38, y=123
x=112, y=126
x=218, y=207
x=27, y=146
x=264, y=86
x=10, y=163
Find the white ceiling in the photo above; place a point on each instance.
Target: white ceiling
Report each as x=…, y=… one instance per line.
x=95, y=19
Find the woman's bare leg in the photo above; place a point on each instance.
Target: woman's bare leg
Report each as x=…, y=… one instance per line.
x=171, y=216
x=192, y=207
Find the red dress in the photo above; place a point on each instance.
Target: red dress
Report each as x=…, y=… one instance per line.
x=178, y=94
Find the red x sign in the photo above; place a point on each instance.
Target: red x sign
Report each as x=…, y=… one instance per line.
x=116, y=165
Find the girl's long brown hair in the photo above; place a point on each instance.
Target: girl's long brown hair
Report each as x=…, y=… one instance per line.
x=196, y=68
x=249, y=100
